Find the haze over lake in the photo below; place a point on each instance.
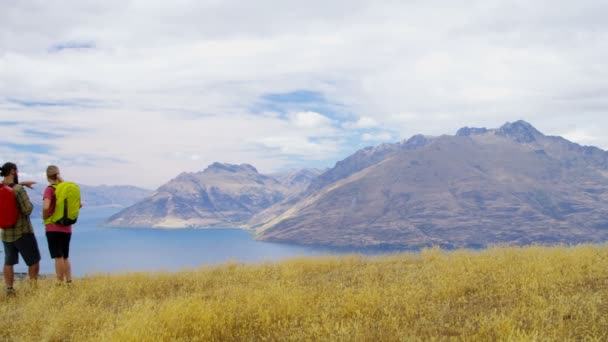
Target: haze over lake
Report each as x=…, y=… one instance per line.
x=114, y=250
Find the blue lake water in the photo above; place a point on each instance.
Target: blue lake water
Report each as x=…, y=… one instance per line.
x=97, y=249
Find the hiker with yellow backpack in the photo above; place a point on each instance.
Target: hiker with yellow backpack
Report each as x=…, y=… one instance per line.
x=60, y=208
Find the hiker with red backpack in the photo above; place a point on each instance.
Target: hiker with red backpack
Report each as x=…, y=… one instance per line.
x=17, y=230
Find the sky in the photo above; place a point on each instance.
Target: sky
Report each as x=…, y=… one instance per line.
x=136, y=92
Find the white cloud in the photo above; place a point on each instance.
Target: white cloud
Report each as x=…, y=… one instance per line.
x=581, y=137
x=362, y=123
x=299, y=146
x=376, y=137
x=164, y=87
x=310, y=120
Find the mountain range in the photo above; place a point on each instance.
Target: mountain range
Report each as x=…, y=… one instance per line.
x=478, y=187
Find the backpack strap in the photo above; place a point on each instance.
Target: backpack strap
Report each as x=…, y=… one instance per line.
x=54, y=192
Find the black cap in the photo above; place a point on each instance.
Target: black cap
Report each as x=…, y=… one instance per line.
x=7, y=168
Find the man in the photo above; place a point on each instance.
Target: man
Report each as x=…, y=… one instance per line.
x=20, y=239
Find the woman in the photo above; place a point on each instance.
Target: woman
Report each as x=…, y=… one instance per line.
x=57, y=236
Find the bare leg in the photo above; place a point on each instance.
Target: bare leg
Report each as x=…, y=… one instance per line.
x=9, y=275
x=59, y=268
x=67, y=270
x=33, y=271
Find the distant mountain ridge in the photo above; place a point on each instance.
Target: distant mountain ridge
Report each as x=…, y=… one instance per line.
x=481, y=186
x=223, y=195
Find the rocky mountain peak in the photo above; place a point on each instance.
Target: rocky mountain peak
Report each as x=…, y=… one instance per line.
x=417, y=140
x=469, y=131
x=520, y=131
x=223, y=195
x=225, y=167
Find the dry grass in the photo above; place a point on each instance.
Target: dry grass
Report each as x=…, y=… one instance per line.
x=500, y=294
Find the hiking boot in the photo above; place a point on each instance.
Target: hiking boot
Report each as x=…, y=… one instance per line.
x=10, y=292
x=61, y=283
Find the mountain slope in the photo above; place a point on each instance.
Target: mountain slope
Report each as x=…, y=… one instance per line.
x=343, y=169
x=511, y=185
x=223, y=195
x=297, y=180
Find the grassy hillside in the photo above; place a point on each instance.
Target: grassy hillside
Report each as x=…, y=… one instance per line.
x=532, y=293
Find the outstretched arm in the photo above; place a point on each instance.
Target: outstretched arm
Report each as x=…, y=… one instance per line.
x=27, y=184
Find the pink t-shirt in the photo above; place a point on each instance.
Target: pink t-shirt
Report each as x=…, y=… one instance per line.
x=49, y=193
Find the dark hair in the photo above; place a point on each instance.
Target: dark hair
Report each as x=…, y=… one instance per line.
x=7, y=168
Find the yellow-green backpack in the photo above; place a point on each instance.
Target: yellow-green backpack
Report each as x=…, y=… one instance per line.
x=67, y=205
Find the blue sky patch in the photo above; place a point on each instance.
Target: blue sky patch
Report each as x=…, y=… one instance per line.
x=27, y=103
x=300, y=101
x=9, y=123
x=298, y=96
x=40, y=134
x=29, y=148
x=72, y=45
x=36, y=103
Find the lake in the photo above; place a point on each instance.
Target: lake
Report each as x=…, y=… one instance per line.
x=115, y=250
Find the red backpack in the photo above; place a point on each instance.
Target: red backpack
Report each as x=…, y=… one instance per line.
x=8, y=207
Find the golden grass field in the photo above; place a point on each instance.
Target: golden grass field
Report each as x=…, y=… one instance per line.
x=499, y=294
